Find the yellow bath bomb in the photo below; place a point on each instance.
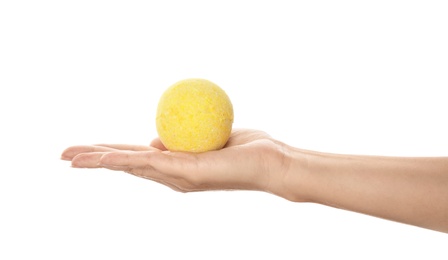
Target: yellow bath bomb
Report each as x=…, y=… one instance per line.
x=194, y=115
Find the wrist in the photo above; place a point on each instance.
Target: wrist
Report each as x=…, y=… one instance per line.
x=296, y=178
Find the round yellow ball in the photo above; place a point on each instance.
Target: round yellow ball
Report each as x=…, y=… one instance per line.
x=194, y=115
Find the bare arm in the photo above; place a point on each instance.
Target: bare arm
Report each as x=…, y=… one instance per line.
x=403, y=189
x=407, y=190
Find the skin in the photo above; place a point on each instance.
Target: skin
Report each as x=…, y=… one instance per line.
x=411, y=190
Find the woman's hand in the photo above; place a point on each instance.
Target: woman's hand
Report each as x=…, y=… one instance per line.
x=251, y=160
x=404, y=189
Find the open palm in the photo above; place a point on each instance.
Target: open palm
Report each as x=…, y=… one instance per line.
x=248, y=161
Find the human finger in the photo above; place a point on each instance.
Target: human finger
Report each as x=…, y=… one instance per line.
x=182, y=170
x=144, y=159
x=87, y=160
x=157, y=143
x=126, y=147
x=188, y=172
x=91, y=160
x=148, y=173
x=69, y=153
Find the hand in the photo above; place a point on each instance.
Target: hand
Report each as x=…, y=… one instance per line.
x=251, y=160
x=410, y=190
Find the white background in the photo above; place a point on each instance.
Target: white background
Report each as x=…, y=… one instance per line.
x=332, y=76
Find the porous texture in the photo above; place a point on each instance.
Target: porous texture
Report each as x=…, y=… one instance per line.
x=194, y=115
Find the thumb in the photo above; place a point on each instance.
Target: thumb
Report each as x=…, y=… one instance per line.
x=157, y=143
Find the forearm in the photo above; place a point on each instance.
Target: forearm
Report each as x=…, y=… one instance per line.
x=407, y=190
